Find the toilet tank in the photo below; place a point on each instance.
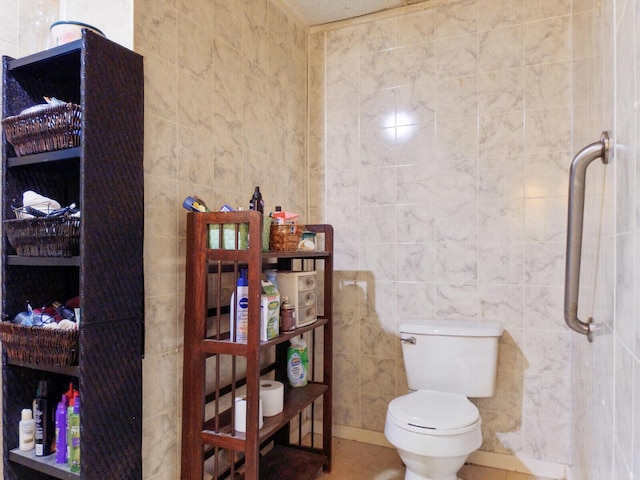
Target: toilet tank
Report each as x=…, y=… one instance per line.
x=451, y=356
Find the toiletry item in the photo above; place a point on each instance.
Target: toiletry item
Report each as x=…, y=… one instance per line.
x=27, y=427
x=61, y=430
x=256, y=203
x=297, y=362
x=287, y=316
x=240, y=309
x=240, y=421
x=44, y=432
x=269, y=312
x=271, y=277
x=74, y=437
x=272, y=397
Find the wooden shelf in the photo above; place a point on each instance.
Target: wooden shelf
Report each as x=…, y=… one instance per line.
x=288, y=463
x=206, y=331
x=43, y=261
x=45, y=157
x=295, y=400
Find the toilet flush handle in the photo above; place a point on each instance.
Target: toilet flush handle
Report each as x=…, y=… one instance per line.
x=411, y=340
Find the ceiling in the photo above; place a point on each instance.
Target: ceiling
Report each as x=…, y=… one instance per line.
x=318, y=12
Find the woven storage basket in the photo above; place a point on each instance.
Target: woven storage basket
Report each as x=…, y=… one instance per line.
x=285, y=238
x=40, y=346
x=52, y=128
x=44, y=236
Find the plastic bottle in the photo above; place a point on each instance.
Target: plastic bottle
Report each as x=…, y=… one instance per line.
x=287, y=316
x=256, y=203
x=297, y=362
x=61, y=430
x=74, y=437
x=27, y=427
x=43, y=420
x=240, y=309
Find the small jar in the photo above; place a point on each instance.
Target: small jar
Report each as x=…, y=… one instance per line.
x=287, y=316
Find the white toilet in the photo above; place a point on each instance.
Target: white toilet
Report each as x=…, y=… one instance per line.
x=435, y=427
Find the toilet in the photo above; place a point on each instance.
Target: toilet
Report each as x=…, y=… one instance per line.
x=436, y=427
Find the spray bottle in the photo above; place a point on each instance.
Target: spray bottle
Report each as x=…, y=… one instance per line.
x=44, y=433
x=240, y=309
x=61, y=430
x=74, y=437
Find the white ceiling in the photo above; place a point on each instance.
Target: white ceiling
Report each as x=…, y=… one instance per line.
x=318, y=12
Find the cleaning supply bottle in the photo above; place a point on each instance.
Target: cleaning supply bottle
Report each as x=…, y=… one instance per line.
x=27, y=427
x=61, y=430
x=256, y=203
x=240, y=309
x=74, y=437
x=297, y=362
x=44, y=432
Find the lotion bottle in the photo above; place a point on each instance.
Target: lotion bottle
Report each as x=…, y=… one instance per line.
x=240, y=309
x=27, y=429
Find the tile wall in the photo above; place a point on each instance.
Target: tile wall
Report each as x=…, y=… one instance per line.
x=606, y=373
x=443, y=137
x=225, y=110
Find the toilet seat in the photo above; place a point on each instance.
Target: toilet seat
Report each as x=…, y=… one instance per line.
x=434, y=413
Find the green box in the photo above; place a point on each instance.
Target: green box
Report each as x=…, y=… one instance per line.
x=229, y=236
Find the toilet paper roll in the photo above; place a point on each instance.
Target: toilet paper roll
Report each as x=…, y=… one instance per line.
x=240, y=422
x=272, y=396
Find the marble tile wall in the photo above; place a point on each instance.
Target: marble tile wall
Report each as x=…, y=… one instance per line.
x=605, y=378
x=444, y=138
x=225, y=110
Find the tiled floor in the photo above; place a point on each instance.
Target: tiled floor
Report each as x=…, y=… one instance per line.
x=361, y=461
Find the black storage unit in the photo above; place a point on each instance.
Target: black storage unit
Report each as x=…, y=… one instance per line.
x=104, y=177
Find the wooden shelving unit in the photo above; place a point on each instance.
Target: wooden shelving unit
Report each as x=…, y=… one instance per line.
x=216, y=369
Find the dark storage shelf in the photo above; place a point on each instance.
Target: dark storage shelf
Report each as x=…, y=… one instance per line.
x=45, y=465
x=43, y=261
x=104, y=178
x=72, y=370
x=45, y=157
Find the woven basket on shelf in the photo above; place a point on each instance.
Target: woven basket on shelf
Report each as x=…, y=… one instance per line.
x=39, y=346
x=52, y=128
x=285, y=238
x=44, y=236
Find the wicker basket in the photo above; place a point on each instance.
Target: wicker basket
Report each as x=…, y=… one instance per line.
x=285, y=238
x=39, y=346
x=45, y=236
x=52, y=128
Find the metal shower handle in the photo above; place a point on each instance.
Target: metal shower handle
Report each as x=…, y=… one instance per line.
x=575, y=219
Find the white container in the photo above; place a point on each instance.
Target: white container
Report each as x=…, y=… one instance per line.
x=27, y=427
x=300, y=287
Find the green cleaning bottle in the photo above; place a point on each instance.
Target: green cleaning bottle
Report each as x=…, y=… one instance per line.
x=74, y=437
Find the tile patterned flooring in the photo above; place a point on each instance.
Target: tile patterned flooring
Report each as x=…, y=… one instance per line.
x=361, y=461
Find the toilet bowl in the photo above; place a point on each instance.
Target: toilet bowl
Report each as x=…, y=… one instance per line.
x=436, y=427
x=434, y=433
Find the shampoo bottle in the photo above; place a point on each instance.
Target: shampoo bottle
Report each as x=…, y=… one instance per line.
x=61, y=430
x=44, y=433
x=74, y=437
x=240, y=309
x=27, y=429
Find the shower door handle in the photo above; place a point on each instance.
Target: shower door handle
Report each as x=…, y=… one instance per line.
x=575, y=219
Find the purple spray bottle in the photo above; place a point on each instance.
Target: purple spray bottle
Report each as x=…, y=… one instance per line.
x=61, y=430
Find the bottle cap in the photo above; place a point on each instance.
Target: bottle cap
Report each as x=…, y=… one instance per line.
x=26, y=414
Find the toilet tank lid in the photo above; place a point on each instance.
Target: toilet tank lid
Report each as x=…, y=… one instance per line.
x=462, y=328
